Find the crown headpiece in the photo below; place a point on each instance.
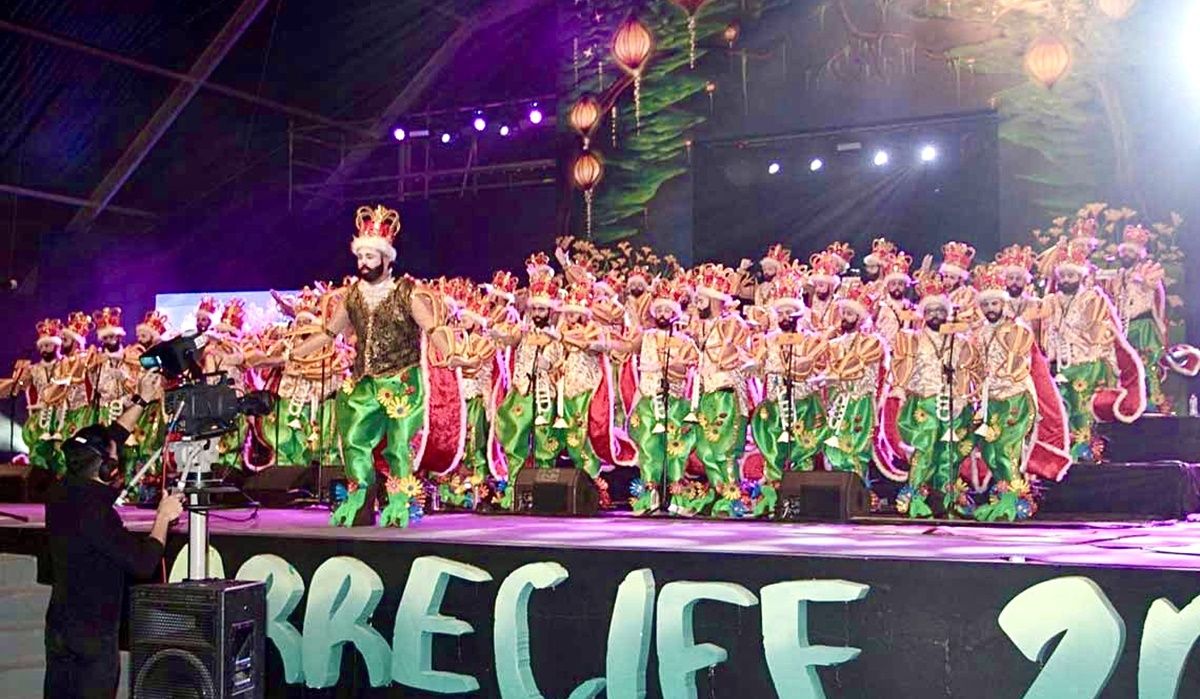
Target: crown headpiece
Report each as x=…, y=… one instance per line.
x=881, y=250
x=537, y=266
x=504, y=284
x=932, y=288
x=207, y=307
x=859, y=298
x=778, y=255
x=578, y=298
x=307, y=305
x=1016, y=257
x=843, y=252
x=671, y=294
x=826, y=266
x=457, y=291
x=155, y=322
x=376, y=229
x=108, y=322
x=787, y=289
x=233, y=317
x=897, y=267
x=715, y=281
x=1135, y=238
x=50, y=330
x=613, y=283
x=989, y=281
x=1085, y=229
x=78, y=325
x=545, y=292
x=1076, y=256
x=957, y=258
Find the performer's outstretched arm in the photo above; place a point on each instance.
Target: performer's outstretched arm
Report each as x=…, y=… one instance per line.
x=336, y=326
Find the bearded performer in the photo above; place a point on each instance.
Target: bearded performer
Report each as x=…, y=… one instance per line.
x=1137, y=290
x=1099, y=374
x=876, y=262
x=895, y=312
x=206, y=312
x=661, y=424
x=720, y=398
x=956, y=270
x=529, y=423
x=789, y=426
x=77, y=360
x=45, y=386
x=823, y=281
x=1022, y=423
x=933, y=372
x=857, y=360
x=585, y=372
x=302, y=429
x=148, y=433
x=112, y=376
x=225, y=352
x=759, y=292
x=1014, y=264
x=385, y=398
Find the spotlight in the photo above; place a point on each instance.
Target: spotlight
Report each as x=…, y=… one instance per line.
x=773, y=169
x=445, y=137
x=505, y=130
x=399, y=134
x=479, y=123
x=928, y=154
x=881, y=158
x=535, y=114
x=815, y=164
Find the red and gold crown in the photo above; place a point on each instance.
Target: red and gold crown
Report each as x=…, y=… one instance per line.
x=376, y=229
x=578, y=298
x=1135, y=239
x=108, y=322
x=1075, y=256
x=859, y=298
x=78, y=325
x=1085, y=229
x=787, y=289
x=671, y=294
x=957, y=258
x=715, y=281
x=825, y=266
x=544, y=292
x=612, y=284
x=1016, y=257
x=307, y=306
x=155, y=322
x=881, y=250
x=932, y=288
x=989, y=281
x=777, y=255
x=207, y=307
x=50, y=330
x=504, y=284
x=897, y=267
x=843, y=252
x=456, y=291
x=233, y=317
x=538, y=266
x=639, y=272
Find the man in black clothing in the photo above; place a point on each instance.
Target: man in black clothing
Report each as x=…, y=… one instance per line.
x=91, y=553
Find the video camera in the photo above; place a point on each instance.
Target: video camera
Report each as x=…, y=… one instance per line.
x=206, y=404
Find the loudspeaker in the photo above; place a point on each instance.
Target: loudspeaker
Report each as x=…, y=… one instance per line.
x=201, y=638
x=23, y=483
x=555, y=491
x=279, y=486
x=832, y=496
x=1151, y=438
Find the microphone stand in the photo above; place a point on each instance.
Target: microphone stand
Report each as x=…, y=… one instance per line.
x=665, y=391
x=788, y=385
x=320, y=455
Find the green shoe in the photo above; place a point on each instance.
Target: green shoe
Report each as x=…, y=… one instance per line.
x=346, y=513
x=646, y=503
x=918, y=508
x=396, y=513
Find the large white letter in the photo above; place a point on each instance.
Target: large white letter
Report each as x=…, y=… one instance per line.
x=511, y=632
x=629, y=637
x=679, y=656
x=285, y=587
x=1167, y=639
x=1085, y=659
x=790, y=658
x=216, y=566
x=417, y=620
x=341, y=599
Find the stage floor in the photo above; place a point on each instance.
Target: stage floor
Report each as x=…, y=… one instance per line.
x=1170, y=545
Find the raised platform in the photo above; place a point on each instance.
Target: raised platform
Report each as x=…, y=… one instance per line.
x=934, y=609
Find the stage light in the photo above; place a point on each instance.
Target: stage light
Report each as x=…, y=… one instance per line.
x=773, y=169
x=505, y=130
x=881, y=158
x=535, y=114
x=399, y=134
x=479, y=123
x=928, y=154
x=445, y=138
x=815, y=164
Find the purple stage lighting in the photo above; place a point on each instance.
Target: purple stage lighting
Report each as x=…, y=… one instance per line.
x=505, y=130
x=399, y=134
x=445, y=138
x=535, y=114
x=479, y=123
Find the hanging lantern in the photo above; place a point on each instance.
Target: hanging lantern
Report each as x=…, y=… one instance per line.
x=691, y=7
x=710, y=88
x=583, y=116
x=1047, y=60
x=586, y=173
x=731, y=32
x=631, y=48
x=1116, y=9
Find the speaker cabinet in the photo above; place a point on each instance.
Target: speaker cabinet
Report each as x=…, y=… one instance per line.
x=279, y=486
x=555, y=491
x=1151, y=438
x=23, y=483
x=201, y=639
x=828, y=496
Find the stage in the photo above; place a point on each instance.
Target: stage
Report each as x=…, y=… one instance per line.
x=897, y=608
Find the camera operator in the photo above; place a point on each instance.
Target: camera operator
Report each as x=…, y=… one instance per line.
x=91, y=553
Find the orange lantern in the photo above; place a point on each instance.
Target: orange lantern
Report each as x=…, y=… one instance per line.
x=731, y=32
x=691, y=7
x=584, y=115
x=631, y=48
x=1047, y=60
x=1116, y=9
x=586, y=173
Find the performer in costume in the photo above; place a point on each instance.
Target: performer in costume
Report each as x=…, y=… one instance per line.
x=895, y=312
x=823, y=280
x=584, y=360
x=876, y=262
x=956, y=270
x=775, y=261
x=206, y=311
x=226, y=352
x=789, y=426
x=385, y=398
x=661, y=424
x=1137, y=290
x=77, y=359
x=720, y=398
x=637, y=297
x=113, y=377
x=148, y=433
x=857, y=360
x=1015, y=265
x=1098, y=373
x=45, y=385
x=933, y=372
x=528, y=422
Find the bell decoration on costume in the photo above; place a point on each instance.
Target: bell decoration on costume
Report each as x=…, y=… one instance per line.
x=584, y=116
x=691, y=7
x=376, y=229
x=108, y=322
x=881, y=250
x=79, y=324
x=586, y=174
x=631, y=48
x=155, y=323
x=233, y=318
x=957, y=258
x=49, y=330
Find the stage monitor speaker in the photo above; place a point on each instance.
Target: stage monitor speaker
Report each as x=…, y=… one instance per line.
x=279, y=486
x=23, y=483
x=831, y=496
x=555, y=491
x=201, y=638
x=1151, y=438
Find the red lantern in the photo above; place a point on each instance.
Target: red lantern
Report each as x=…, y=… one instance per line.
x=691, y=7
x=631, y=48
x=586, y=173
x=732, y=30
x=584, y=115
x=1047, y=60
